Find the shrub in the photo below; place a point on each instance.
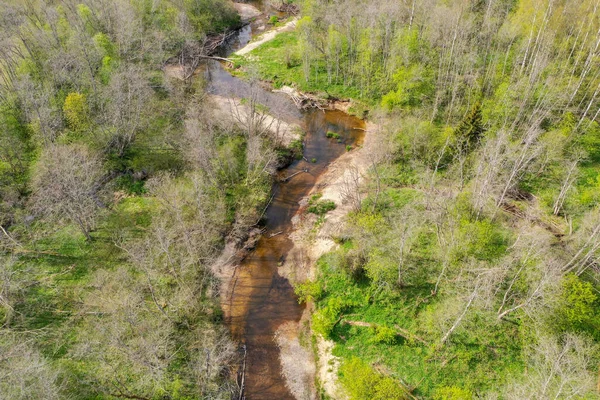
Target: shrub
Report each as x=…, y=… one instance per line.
x=362, y=382
x=320, y=207
x=309, y=291
x=384, y=334
x=576, y=302
x=76, y=111
x=333, y=135
x=324, y=320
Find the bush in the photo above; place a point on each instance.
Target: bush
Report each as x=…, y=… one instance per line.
x=320, y=207
x=76, y=111
x=384, y=334
x=324, y=320
x=363, y=383
x=576, y=304
x=333, y=135
x=309, y=291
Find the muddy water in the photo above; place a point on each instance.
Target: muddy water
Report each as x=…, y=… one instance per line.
x=261, y=300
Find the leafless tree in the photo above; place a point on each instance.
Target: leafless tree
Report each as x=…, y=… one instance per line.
x=558, y=369
x=531, y=272
x=128, y=107
x=65, y=185
x=24, y=372
x=351, y=188
x=585, y=244
x=567, y=184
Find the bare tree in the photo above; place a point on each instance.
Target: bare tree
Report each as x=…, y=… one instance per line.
x=65, y=185
x=351, y=188
x=559, y=368
x=567, y=184
x=585, y=244
x=24, y=372
x=128, y=107
x=530, y=273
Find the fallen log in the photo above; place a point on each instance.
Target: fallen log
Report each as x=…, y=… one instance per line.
x=294, y=174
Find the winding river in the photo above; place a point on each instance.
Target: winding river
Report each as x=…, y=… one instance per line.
x=261, y=299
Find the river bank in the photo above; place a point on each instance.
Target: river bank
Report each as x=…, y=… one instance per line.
x=257, y=276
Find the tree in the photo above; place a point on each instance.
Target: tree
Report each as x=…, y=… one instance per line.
x=76, y=111
x=469, y=132
x=558, y=368
x=128, y=111
x=66, y=184
x=24, y=372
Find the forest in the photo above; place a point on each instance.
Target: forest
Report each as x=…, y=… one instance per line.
x=467, y=262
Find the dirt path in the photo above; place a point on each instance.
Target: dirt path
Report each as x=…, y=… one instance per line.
x=266, y=37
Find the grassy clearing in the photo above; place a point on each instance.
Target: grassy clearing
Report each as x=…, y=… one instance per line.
x=279, y=62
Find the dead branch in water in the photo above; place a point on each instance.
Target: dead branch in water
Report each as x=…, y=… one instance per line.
x=229, y=60
x=302, y=100
x=243, y=374
x=293, y=175
x=212, y=44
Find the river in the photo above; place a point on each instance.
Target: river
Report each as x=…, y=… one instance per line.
x=261, y=299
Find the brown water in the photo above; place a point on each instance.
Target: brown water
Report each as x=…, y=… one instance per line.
x=261, y=300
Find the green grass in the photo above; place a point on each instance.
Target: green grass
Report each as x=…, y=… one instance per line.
x=472, y=359
x=279, y=62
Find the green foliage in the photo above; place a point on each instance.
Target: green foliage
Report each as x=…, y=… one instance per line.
x=211, y=16
x=279, y=61
x=363, y=383
x=414, y=85
x=452, y=393
x=273, y=20
x=320, y=207
x=327, y=317
x=384, y=334
x=577, y=304
x=481, y=239
x=76, y=111
x=309, y=291
x=333, y=135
